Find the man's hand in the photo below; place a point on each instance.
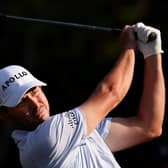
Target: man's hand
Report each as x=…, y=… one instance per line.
x=127, y=38
x=151, y=47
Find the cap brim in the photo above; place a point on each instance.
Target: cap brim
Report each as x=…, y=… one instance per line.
x=15, y=98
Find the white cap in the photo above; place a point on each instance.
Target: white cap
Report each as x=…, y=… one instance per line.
x=15, y=81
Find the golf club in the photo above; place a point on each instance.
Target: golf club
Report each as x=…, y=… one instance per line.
x=151, y=37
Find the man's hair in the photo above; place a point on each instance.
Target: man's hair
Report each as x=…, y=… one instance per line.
x=3, y=109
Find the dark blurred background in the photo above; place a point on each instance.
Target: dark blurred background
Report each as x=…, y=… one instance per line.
x=73, y=61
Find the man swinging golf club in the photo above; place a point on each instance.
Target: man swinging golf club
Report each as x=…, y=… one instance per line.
x=84, y=137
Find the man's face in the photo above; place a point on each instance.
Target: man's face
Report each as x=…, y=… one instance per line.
x=31, y=111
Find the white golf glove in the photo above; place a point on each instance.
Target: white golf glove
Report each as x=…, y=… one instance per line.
x=148, y=48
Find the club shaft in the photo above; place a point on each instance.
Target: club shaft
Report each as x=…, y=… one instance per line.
x=62, y=23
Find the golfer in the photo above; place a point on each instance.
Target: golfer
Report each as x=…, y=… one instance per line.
x=84, y=137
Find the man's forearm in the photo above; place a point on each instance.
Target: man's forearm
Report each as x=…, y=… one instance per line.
x=111, y=90
x=121, y=75
x=152, y=104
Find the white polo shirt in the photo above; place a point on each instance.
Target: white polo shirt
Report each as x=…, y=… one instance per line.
x=62, y=142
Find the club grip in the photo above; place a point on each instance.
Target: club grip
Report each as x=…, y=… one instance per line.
x=151, y=37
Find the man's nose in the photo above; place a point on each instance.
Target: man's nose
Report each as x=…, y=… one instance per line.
x=33, y=100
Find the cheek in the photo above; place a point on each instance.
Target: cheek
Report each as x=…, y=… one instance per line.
x=21, y=113
x=44, y=100
x=17, y=116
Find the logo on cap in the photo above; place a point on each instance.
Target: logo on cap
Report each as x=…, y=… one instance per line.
x=13, y=79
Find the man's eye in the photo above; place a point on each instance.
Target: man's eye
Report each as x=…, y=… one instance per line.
x=34, y=91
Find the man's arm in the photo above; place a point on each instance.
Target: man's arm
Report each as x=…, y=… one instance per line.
x=112, y=89
x=127, y=132
x=147, y=124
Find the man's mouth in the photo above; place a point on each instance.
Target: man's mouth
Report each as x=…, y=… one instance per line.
x=40, y=112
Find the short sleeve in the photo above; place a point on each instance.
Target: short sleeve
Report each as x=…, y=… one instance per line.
x=103, y=127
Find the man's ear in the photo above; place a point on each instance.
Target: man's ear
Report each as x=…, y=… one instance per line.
x=4, y=115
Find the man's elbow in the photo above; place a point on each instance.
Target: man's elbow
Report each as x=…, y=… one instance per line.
x=153, y=133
